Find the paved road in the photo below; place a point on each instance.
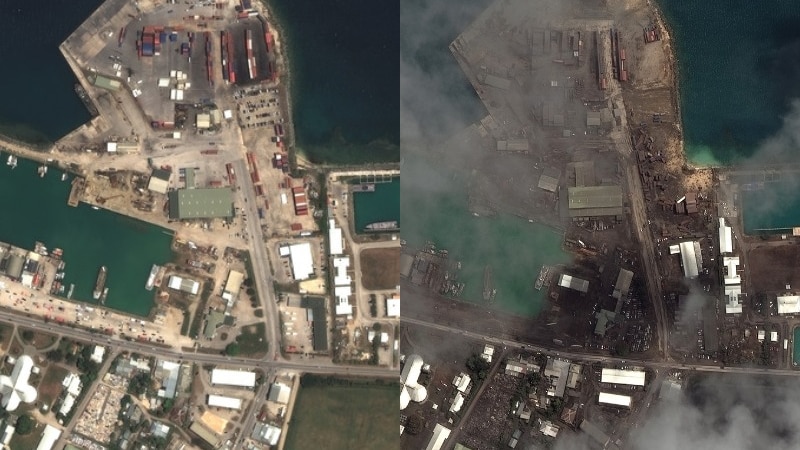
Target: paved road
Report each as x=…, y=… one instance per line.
x=589, y=357
x=260, y=260
x=306, y=365
x=255, y=407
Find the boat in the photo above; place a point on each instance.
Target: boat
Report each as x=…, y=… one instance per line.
x=42, y=171
x=104, y=296
x=71, y=290
x=100, y=284
x=389, y=225
x=95, y=207
x=64, y=176
x=12, y=161
x=152, y=278
x=542, y=277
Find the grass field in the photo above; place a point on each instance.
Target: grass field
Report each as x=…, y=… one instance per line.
x=50, y=387
x=380, y=268
x=6, y=333
x=341, y=417
x=253, y=340
x=29, y=441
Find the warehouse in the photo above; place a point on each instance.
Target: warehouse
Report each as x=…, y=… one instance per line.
x=725, y=241
x=266, y=433
x=317, y=315
x=623, y=284
x=184, y=285
x=440, y=434
x=617, y=376
x=222, y=401
x=159, y=181
x=594, y=201
x=788, y=304
x=571, y=282
x=392, y=307
x=49, y=438
x=691, y=259
x=279, y=393
x=302, y=261
x=733, y=304
x=335, y=238
x=731, y=276
x=201, y=203
x=104, y=82
x=232, y=285
x=614, y=399
x=549, y=179
x=233, y=378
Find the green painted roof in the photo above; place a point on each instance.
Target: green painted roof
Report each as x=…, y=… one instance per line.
x=200, y=203
x=213, y=320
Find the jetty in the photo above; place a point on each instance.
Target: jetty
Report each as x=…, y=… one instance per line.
x=75, y=194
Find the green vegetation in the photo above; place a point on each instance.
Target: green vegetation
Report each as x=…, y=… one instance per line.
x=139, y=384
x=233, y=349
x=248, y=281
x=252, y=341
x=25, y=425
x=199, y=313
x=50, y=386
x=341, y=414
x=376, y=345
x=187, y=322
x=478, y=366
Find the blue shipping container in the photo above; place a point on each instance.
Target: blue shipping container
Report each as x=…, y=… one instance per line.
x=147, y=49
x=173, y=37
x=163, y=37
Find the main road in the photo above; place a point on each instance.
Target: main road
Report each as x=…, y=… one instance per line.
x=259, y=260
x=589, y=357
x=306, y=365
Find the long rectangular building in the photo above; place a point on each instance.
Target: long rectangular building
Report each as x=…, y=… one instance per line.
x=568, y=281
x=222, y=401
x=208, y=203
x=239, y=378
x=617, y=376
x=595, y=201
x=614, y=399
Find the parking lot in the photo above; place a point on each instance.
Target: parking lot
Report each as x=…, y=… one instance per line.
x=258, y=107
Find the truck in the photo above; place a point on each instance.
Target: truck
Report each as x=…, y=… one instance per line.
x=260, y=213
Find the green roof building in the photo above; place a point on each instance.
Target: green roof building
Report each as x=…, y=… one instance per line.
x=201, y=203
x=105, y=82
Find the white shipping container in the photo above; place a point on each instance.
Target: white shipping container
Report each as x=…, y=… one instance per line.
x=284, y=200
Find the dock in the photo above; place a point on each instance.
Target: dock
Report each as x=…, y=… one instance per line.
x=489, y=292
x=76, y=193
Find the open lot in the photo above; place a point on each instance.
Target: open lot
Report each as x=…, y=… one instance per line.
x=333, y=415
x=50, y=387
x=252, y=341
x=380, y=268
x=772, y=268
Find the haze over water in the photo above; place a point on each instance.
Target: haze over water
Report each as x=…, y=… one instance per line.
x=739, y=65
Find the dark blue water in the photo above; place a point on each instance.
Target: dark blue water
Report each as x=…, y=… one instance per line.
x=739, y=66
x=36, y=84
x=344, y=68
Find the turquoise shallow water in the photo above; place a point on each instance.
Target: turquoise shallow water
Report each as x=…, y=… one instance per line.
x=795, y=346
x=37, y=210
x=379, y=206
x=739, y=62
x=514, y=248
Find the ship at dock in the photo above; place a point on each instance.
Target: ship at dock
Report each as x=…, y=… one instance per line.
x=101, y=282
x=104, y=296
x=389, y=225
x=543, y=278
x=151, y=280
x=12, y=161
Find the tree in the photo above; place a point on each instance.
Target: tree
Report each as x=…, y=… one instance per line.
x=621, y=348
x=478, y=366
x=25, y=424
x=139, y=384
x=27, y=335
x=414, y=424
x=232, y=349
x=377, y=327
x=55, y=355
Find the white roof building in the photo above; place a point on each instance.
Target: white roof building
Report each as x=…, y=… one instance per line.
x=409, y=378
x=440, y=434
x=773, y=336
x=67, y=404
x=8, y=433
x=49, y=438
x=341, y=278
x=72, y=384
x=725, y=237
x=393, y=307
x=461, y=382
x=575, y=283
x=98, y=353
x=788, y=304
x=266, y=433
x=730, y=263
x=239, y=378
x=548, y=429
x=279, y=393
x=234, y=283
x=335, y=238
x=302, y=261
x=488, y=353
x=614, y=399
x=691, y=259
x=458, y=402
x=733, y=304
x=15, y=388
x=222, y=401
x=617, y=376
x=183, y=284
x=343, y=306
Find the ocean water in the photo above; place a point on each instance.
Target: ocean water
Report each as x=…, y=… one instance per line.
x=36, y=210
x=739, y=62
x=36, y=84
x=379, y=206
x=345, y=76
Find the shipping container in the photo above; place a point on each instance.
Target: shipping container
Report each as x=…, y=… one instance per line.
x=173, y=37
